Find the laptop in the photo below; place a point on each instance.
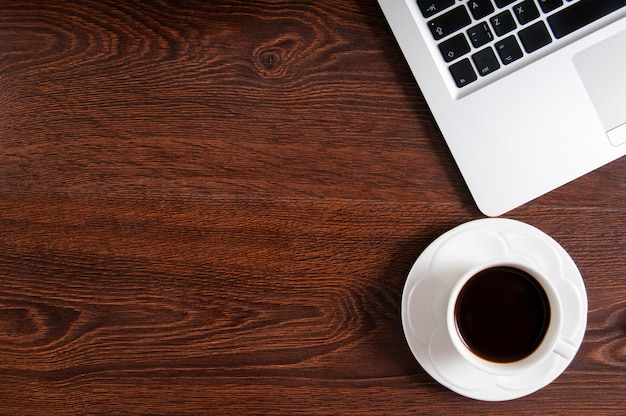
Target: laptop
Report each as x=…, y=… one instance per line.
x=528, y=94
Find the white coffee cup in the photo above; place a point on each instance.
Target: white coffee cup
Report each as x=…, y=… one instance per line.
x=522, y=278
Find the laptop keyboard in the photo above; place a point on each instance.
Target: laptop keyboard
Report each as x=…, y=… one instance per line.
x=479, y=37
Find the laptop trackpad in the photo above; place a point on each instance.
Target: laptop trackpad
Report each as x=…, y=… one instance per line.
x=602, y=68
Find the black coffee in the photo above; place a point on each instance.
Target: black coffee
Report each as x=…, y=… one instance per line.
x=502, y=314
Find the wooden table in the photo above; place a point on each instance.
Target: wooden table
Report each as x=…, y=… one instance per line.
x=212, y=208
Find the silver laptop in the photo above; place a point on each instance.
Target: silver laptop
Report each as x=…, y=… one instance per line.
x=529, y=94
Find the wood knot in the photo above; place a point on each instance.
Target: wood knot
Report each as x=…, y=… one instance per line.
x=29, y=324
x=275, y=58
x=271, y=62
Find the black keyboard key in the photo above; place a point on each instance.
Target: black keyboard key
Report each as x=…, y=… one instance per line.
x=526, y=11
x=535, y=37
x=449, y=22
x=485, y=61
x=503, y=23
x=504, y=3
x=508, y=49
x=480, y=8
x=480, y=34
x=432, y=7
x=463, y=73
x=580, y=14
x=454, y=47
x=548, y=5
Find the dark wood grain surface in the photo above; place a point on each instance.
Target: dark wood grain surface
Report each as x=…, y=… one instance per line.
x=212, y=207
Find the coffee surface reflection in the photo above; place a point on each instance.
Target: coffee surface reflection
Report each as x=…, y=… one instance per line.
x=502, y=314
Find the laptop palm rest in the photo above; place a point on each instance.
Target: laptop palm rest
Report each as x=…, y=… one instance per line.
x=602, y=68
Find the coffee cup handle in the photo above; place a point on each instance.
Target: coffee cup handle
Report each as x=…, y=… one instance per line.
x=565, y=349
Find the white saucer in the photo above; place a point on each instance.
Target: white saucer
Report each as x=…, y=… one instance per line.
x=430, y=281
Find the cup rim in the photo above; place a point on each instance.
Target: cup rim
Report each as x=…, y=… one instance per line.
x=547, y=344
